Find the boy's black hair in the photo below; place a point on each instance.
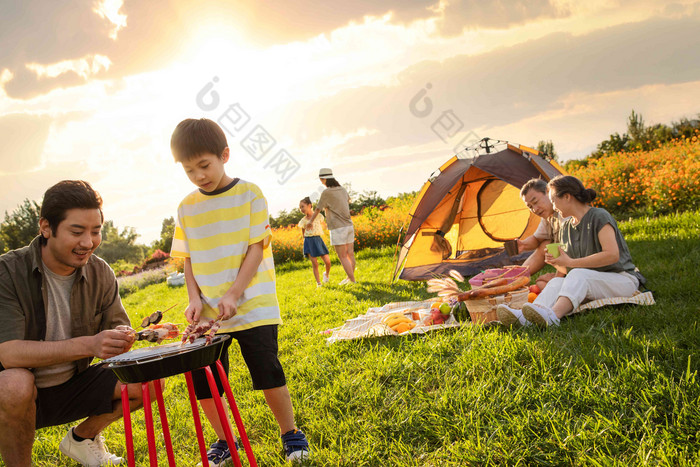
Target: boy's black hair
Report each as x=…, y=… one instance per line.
x=193, y=137
x=331, y=183
x=65, y=195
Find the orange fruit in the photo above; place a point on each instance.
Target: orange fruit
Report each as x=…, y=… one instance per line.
x=531, y=297
x=435, y=305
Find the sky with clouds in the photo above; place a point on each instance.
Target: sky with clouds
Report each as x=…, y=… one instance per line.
x=382, y=92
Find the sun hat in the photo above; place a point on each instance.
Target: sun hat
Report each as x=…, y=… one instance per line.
x=325, y=173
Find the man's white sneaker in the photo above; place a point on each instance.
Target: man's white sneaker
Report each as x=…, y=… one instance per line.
x=89, y=453
x=540, y=315
x=511, y=316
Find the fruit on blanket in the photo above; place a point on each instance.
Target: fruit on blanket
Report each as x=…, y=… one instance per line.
x=399, y=322
x=445, y=309
x=535, y=289
x=435, y=305
x=531, y=297
x=435, y=317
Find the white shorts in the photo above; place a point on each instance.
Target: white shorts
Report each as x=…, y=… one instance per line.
x=342, y=235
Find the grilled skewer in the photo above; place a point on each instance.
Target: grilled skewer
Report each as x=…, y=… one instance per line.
x=155, y=317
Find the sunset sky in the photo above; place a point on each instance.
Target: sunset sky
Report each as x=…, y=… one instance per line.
x=381, y=92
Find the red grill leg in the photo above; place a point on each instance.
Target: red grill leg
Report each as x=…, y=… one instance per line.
x=197, y=421
x=236, y=414
x=164, y=423
x=150, y=432
x=127, y=427
x=222, y=416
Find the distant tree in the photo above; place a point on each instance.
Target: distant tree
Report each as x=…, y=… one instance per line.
x=285, y=218
x=615, y=143
x=547, y=149
x=19, y=228
x=685, y=128
x=635, y=127
x=365, y=200
x=118, y=245
x=167, y=230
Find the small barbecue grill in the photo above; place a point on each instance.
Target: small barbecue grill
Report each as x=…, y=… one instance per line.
x=150, y=363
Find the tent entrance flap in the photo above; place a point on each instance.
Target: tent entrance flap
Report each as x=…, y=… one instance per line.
x=501, y=213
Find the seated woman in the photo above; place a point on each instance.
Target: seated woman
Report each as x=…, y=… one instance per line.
x=594, y=258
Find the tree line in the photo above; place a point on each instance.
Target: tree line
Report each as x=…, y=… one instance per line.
x=21, y=226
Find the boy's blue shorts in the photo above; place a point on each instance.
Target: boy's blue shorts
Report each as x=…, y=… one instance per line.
x=259, y=351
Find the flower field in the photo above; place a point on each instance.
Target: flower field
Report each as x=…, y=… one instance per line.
x=659, y=181
x=374, y=227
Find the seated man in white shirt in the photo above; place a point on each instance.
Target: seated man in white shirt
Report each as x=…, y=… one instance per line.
x=534, y=195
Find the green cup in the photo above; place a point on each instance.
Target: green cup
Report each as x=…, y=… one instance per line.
x=553, y=249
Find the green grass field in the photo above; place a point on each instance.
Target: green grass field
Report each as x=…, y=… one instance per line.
x=614, y=386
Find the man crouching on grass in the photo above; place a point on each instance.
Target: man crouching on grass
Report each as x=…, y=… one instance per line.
x=59, y=306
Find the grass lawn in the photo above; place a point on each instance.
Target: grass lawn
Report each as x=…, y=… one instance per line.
x=613, y=386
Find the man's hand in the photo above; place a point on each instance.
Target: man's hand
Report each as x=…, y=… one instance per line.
x=228, y=306
x=193, y=311
x=110, y=343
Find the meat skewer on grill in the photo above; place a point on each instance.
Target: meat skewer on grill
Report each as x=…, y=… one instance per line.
x=155, y=317
x=154, y=333
x=194, y=330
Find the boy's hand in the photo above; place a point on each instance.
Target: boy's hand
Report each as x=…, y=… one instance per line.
x=193, y=311
x=228, y=306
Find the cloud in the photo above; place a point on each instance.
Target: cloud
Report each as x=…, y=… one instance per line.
x=23, y=138
x=459, y=15
x=503, y=86
x=49, y=45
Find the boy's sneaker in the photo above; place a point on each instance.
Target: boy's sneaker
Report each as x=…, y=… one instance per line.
x=325, y=278
x=88, y=452
x=219, y=454
x=509, y=316
x=296, y=447
x=540, y=315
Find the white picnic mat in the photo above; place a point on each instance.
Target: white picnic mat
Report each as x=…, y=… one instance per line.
x=370, y=324
x=639, y=298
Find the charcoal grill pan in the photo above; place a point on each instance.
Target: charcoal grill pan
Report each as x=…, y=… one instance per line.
x=149, y=363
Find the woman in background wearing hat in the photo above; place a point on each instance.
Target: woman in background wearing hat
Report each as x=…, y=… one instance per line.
x=336, y=201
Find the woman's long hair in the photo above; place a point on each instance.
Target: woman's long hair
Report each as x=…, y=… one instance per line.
x=331, y=183
x=566, y=184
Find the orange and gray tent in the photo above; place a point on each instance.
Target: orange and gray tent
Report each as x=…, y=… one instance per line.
x=468, y=208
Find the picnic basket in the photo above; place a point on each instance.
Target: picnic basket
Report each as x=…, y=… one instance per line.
x=483, y=310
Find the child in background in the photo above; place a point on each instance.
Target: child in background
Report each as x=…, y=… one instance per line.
x=223, y=233
x=313, y=243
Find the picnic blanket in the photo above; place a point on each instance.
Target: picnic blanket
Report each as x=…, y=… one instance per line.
x=370, y=323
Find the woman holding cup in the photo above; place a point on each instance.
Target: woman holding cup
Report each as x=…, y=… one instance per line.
x=593, y=256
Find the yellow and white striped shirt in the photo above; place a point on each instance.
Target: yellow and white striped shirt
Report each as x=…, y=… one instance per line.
x=214, y=230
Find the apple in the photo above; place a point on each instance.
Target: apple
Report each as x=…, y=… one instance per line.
x=445, y=309
x=535, y=289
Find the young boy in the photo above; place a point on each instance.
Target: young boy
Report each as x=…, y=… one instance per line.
x=223, y=233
